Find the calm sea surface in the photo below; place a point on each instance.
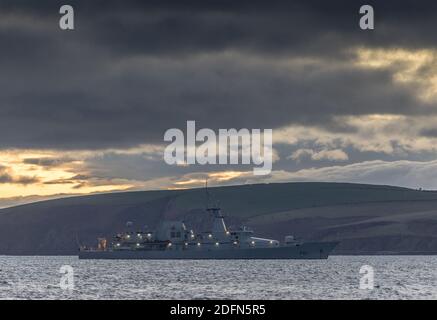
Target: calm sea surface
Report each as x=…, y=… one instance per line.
x=395, y=277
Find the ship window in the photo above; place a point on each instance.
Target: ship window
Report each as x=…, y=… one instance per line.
x=178, y=234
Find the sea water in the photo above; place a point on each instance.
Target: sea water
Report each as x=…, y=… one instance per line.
x=339, y=277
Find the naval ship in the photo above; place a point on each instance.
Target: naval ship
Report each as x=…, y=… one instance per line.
x=172, y=240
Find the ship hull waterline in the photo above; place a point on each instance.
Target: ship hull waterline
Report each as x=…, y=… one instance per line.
x=309, y=250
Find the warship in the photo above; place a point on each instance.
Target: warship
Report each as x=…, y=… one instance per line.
x=172, y=240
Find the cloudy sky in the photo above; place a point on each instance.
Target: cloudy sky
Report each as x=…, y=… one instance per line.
x=85, y=111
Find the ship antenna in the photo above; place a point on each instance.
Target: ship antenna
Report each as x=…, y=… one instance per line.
x=211, y=203
x=78, y=241
x=207, y=193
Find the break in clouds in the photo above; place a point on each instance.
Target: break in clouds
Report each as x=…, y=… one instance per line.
x=94, y=103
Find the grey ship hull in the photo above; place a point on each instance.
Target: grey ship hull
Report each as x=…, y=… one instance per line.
x=308, y=250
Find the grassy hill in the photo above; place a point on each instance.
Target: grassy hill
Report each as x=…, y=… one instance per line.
x=365, y=218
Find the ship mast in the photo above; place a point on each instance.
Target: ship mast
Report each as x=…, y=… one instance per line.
x=218, y=225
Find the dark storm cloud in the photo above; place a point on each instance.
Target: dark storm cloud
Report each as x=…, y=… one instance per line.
x=6, y=177
x=133, y=69
x=77, y=179
x=430, y=132
x=47, y=162
x=174, y=27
